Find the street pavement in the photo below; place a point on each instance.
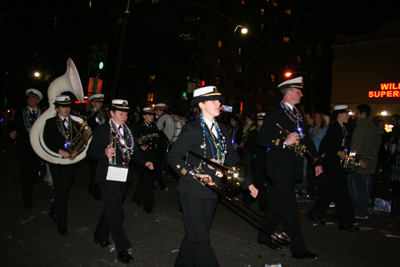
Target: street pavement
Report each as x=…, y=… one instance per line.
x=30, y=237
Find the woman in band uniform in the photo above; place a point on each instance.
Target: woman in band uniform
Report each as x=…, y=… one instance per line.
x=207, y=138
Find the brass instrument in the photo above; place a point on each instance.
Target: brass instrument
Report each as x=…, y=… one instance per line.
x=298, y=148
x=69, y=82
x=234, y=178
x=143, y=140
x=80, y=140
x=352, y=161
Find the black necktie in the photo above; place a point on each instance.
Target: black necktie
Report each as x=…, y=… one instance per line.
x=33, y=113
x=211, y=130
x=65, y=122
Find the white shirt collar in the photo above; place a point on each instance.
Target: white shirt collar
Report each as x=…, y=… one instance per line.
x=209, y=124
x=62, y=118
x=289, y=105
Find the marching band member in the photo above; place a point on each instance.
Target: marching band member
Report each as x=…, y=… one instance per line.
x=203, y=136
x=144, y=192
x=20, y=130
x=284, y=166
x=58, y=134
x=96, y=116
x=114, y=141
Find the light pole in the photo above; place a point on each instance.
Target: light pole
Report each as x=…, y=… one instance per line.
x=243, y=31
x=289, y=74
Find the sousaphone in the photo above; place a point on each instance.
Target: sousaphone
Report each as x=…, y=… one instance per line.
x=69, y=82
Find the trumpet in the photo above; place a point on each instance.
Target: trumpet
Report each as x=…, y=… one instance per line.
x=235, y=177
x=299, y=149
x=352, y=161
x=143, y=140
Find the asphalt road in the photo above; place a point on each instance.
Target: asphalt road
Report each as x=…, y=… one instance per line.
x=30, y=237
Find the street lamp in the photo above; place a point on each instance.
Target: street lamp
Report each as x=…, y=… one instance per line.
x=243, y=31
x=36, y=74
x=289, y=74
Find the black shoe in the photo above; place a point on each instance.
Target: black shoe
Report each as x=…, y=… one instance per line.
x=305, y=256
x=148, y=210
x=62, y=231
x=271, y=244
x=314, y=217
x=52, y=215
x=103, y=244
x=125, y=257
x=350, y=228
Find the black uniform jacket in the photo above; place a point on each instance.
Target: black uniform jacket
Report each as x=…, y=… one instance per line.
x=280, y=159
x=23, y=142
x=153, y=143
x=191, y=138
x=53, y=138
x=91, y=120
x=331, y=144
x=251, y=145
x=96, y=151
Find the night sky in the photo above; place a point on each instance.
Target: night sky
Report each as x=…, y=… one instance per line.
x=31, y=42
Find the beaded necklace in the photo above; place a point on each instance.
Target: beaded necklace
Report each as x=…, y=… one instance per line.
x=219, y=144
x=126, y=146
x=28, y=120
x=294, y=116
x=65, y=132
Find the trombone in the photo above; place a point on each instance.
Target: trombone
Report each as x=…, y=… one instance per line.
x=234, y=177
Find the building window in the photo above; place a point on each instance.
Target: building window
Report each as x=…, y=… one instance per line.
x=239, y=50
x=239, y=67
x=118, y=22
x=298, y=58
x=271, y=93
x=259, y=106
x=274, y=3
x=188, y=37
x=286, y=39
x=151, y=78
x=260, y=90
x=220, y=62
x=272, y=78
x=262, y=27
x=220, y=44
x=288, y=11
x=262, y=11
x=150, y=97
x=243, y=2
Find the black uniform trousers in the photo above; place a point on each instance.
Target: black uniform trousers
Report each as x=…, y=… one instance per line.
x=335, y=189
x=93, y=187
x=157, y=172
x=259, y=169
x=144, y=190
x=30, y=163
x=63, y=177
x=283, y=208
x=113, y=194
x=195, y=249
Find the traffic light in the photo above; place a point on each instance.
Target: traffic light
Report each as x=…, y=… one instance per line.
x=97, y=58
x=184, y=95
x=201, y=83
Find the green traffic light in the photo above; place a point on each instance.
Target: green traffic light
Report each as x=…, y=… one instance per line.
x=184, y=94
x=101, y=65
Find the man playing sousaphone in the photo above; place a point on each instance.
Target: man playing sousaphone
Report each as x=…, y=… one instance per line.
x=58, y=134
x=206, y=137
x=113, y=146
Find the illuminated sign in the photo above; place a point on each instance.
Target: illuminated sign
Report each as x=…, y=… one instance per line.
x=387, y=90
